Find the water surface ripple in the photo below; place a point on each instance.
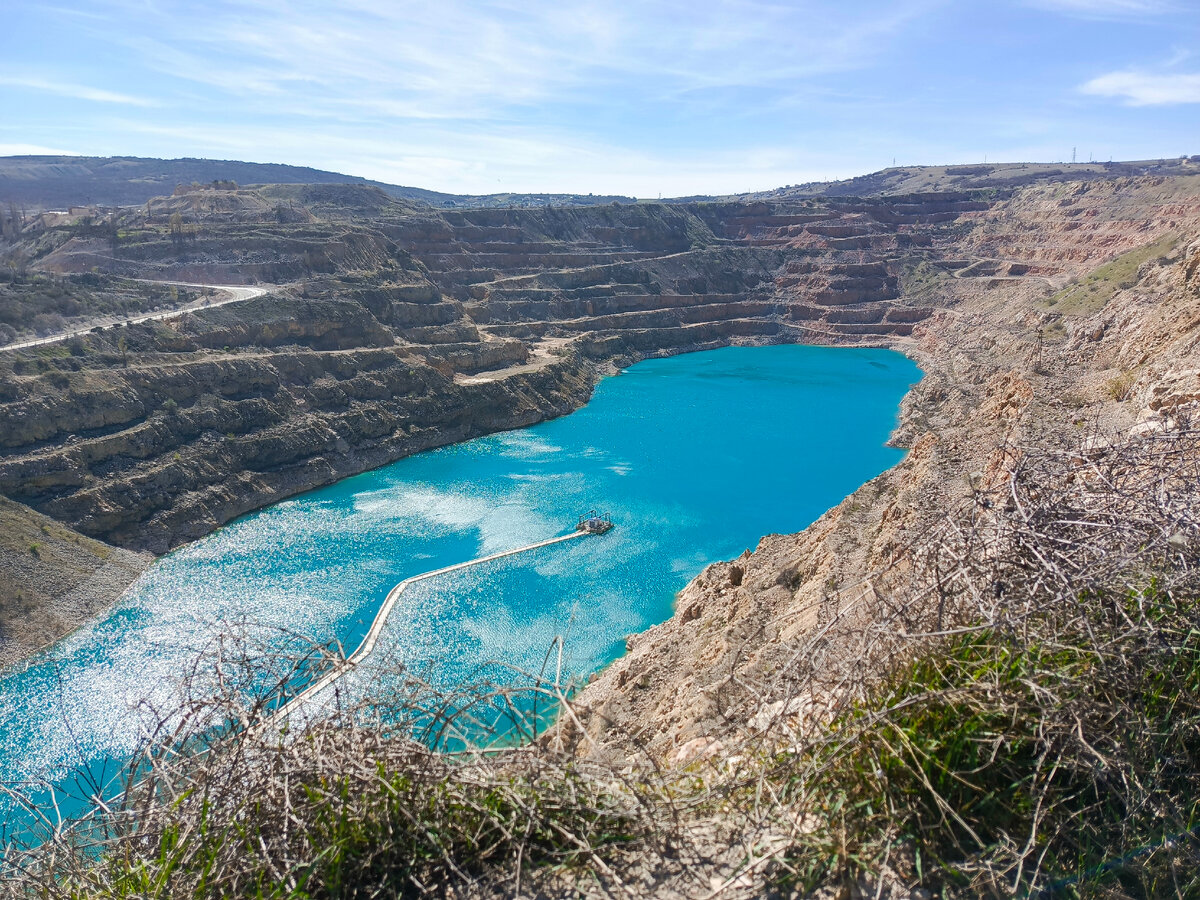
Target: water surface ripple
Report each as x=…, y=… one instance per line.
x=695, y=457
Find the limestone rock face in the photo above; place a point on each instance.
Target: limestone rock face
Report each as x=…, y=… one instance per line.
x=1173, y=390
x=169, y=452
x=1004, y=370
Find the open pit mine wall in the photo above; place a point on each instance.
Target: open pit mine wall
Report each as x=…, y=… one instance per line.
x=437, y=328
x=1021, y=353
x=656, y=278
x=414, y=330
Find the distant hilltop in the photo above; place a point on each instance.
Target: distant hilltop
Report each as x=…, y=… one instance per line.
x=902, y=180
x=60, y=182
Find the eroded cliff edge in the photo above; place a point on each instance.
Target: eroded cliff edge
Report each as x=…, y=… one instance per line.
x=1073, y=317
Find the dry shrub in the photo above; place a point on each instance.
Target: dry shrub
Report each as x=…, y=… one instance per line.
x=1120, y=387
x=1012, y=707
x=352, y=802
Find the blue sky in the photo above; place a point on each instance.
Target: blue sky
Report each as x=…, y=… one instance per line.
x=622, y=97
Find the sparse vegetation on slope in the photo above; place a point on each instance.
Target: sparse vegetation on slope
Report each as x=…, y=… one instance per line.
x=1038, y=725
x=1018, y=714
x=54, y=579
x=1090, y=293
x=36, y=305
x=1001, y=760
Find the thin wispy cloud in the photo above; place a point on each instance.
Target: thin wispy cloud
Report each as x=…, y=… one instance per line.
x=74, y=91
x=625, y=96
x=34, y=150
x=1146, y=89
x=457, y=58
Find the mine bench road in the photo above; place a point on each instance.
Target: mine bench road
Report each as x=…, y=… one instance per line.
x=237, y=293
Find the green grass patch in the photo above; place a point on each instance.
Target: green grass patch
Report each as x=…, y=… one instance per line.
x=993, y=762
x=1091, y=293
x=394, y=834
x=1054, y=332
x=922, y=278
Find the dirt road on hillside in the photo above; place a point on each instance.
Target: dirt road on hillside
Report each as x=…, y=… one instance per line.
x=235, y=293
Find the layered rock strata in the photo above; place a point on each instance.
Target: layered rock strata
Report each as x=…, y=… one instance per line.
x=395, y=329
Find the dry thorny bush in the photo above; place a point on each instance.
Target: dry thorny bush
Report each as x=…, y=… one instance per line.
x=1010, y=707
x=418, y=791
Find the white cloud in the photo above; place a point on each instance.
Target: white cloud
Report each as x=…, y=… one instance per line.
x=75, y=91
x=466, y=59
x=1145, y=89
x=494, y=158
x=477, y=96
x=34, y=150
x=473, y=96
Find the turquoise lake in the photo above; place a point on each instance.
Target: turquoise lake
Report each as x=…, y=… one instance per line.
x=695, y=457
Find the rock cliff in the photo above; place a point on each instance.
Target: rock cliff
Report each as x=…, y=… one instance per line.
x=1073, y=310
x=394, y=328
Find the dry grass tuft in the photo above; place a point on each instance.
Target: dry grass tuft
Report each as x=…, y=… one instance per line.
x=1012, y=707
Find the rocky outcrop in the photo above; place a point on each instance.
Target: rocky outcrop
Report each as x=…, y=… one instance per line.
x=1004, y=371
x=163, y=452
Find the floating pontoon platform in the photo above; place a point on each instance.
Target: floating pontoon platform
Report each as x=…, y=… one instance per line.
x=595, y=523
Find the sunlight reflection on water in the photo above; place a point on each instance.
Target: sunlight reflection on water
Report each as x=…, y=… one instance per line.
x=695, y=457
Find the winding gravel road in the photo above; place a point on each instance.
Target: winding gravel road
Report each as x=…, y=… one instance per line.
x=235, y=294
